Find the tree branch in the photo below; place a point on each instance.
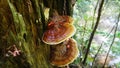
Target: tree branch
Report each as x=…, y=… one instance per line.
x=94, y=30
x=113, y=39
x=94, y=13
x=96, y=55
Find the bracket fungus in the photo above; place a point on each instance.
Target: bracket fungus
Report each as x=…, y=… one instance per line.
x=64, y=53
x=58, y=32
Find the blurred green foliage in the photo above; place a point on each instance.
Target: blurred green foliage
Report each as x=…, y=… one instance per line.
x=84, y=21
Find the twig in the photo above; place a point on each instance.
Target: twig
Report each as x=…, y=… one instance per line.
x=94, y=13
x=84, y=29
x=110, y=31
x=113, y=39
x=96, y=55
x=94, y=30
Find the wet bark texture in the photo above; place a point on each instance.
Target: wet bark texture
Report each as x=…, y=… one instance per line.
x=22, y=23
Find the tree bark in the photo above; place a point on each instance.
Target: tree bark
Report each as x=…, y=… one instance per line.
x=22, y=23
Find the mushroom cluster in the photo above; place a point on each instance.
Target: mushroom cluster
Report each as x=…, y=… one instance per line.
x=59, y=32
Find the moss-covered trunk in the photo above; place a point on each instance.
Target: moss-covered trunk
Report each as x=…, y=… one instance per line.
x=22, y=23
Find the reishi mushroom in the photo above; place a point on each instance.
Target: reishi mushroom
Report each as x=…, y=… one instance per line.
x=56, y=35
x=64, y=53
x=58, y=31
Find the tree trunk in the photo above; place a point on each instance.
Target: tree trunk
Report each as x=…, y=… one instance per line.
x=22, y=23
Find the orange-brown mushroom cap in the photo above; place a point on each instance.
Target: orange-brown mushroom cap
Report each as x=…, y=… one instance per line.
x=64, y=53
x=58, y=33
x=65, y=19
x=68, y=19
